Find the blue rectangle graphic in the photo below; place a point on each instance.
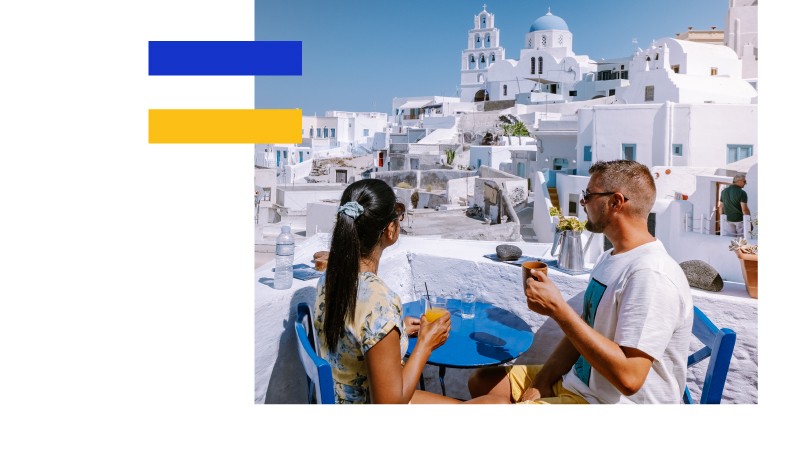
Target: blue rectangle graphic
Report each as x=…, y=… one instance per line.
x=226, y=58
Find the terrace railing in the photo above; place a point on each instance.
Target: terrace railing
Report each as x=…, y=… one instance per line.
x=707, y=224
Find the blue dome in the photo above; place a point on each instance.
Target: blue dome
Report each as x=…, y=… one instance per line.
x=549, y=22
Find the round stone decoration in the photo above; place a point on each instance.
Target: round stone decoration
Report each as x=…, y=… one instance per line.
x=507, y=252
x=702, y=276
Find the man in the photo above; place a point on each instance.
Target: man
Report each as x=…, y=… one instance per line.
x=631, y=342
x=733, y=203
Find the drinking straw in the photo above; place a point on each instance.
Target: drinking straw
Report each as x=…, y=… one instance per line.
x=426, y=291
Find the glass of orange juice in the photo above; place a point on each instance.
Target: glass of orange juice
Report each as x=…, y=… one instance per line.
x=435, y=307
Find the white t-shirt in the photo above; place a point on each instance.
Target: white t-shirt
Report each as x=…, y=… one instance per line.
x=639, y=299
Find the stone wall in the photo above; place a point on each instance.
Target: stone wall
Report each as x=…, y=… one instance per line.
x=421, y=179
x=426, y=199
x=438, y=178
x=395, y=177
x=497, y=105
x=500, y=232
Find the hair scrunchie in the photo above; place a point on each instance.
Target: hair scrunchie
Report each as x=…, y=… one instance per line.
x=352, y=209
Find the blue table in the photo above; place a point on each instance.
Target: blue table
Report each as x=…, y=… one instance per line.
x=493, y=337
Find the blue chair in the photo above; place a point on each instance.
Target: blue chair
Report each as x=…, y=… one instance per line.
x=318, y=371
x=718, y=346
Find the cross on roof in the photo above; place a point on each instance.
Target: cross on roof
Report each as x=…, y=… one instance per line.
x=484, y=6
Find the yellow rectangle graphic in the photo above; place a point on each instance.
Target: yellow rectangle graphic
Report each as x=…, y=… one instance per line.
x=225, y=126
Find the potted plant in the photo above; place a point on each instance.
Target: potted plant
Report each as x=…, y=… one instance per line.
x=570, y=223
x=568, y=238
x=748, y=255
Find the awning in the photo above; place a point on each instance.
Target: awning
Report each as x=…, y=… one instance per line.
x=414, y=104
x=541, y=80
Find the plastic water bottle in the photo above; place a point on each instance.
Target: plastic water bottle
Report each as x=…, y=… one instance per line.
x=284, y=258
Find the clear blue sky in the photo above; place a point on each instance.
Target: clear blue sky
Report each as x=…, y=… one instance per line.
x=359, y=54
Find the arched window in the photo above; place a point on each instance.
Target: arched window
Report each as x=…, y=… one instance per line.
x=533, y=65
x=505, y=90
x=477, y=41
x=487, y=41
x=482, y=62
x=656, y=56
x=480, y=78
x=311, y=132
x=540, y=65
x=491, y=58
x=647, y=59
x=471, y=62
x=483, y=21
x=325, y=132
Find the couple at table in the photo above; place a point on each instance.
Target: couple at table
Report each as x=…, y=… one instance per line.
x=629, y=345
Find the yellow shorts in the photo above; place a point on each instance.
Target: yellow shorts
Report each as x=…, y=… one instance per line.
x=521, y=377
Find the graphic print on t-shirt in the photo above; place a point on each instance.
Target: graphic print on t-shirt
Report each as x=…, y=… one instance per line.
x=591, y=299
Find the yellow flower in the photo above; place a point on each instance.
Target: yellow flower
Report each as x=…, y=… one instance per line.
x=570, y=223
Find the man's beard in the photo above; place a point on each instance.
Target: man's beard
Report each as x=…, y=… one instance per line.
x=597, y=226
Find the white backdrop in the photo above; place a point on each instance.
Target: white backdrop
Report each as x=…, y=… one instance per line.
x=126, y=287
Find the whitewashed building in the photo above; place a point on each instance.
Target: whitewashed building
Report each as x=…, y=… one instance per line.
x=667, y=134
x=337, y=133
x=741, y=34
x=430, y=111
x=687, y=105
x=686, y=72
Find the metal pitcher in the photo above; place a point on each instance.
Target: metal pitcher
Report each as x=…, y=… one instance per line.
x=570, y=253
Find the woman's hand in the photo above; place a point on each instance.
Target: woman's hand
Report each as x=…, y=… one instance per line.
x=433, y=334
x=411, y=325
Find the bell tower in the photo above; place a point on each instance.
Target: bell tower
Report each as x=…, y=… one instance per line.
x=483, y=49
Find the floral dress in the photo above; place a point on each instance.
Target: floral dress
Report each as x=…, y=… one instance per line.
x=378, y=311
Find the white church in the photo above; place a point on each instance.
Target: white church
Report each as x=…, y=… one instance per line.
x=546, y=65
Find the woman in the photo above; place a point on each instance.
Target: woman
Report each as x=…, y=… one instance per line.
x=358, y=318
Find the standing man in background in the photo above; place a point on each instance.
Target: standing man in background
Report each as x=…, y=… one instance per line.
x=733, y=203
